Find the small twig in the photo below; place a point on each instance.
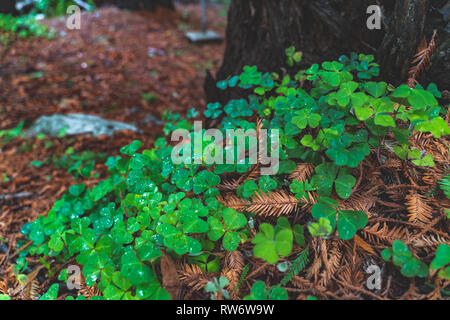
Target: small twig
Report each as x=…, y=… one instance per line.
x=361, y=290
x=428, y=228
x=361, y=171
x=15, y=195
x=405, y=186
x=22, y=248
x=414, y=225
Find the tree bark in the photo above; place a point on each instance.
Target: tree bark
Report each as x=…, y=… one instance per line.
x=259, y=31
x=402, y=38
x=8, y=7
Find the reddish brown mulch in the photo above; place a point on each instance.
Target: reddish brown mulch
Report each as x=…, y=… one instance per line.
x=102, y=69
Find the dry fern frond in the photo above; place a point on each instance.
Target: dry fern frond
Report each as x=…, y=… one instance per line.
x=3, y=287
x=228, y=185
x=233, y=278
x=303, y=172
x=234, y=260
x=233, y=266
x=358, y=202
x=418, y=209
x=359, y=242
x=234, y=202
x=351, y=273
x=193, y=277
x=233, y=184
x=431, y=178
x=380, y=233
x=393, y=163
x=253, y=174
x=271, y=204
x=89, y=292
x=313, y=271
x=397, y=196
x=331, y=261
x=29, y=288
x=422, y=59
x=429, y=241
x=274, y=204
x=301, y=283
x=32, y=290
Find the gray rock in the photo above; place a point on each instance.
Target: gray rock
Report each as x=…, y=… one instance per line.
x=73, y=124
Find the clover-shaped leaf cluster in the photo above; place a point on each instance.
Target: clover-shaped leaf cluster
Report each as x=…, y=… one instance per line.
x=442, y=261
x=273, y=242
x=150, y=205
x=348, y=222
x=403, y=258
x=260, y=292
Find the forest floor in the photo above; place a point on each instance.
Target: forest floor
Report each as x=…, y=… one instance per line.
x=125, y=66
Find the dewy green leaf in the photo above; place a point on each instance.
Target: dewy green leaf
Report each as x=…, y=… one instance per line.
x=320, y=229
x=131, y=148
x=217, y=229
x=442, y=257
x=266, y=183
x=265, y=250
x=421, y=99
x=233, y=220
x=332, y=66
x=344, y=184
x=231, y=241
x=402, y=91
x=271, y=243
x=349, y=222
x=299, y=235
x=330, y=78
x=324, y=178
x=55, y=242
x=192, y=223
x=283, y=242
x=323, y=210
x=305, y=118
x=376, y=89
x=52, y=293
x=76, y=190
x=402, y=257
x=359, y=99
x=384, y=120
x=248, y=188
x=258, y=292
x=363, y=112
x=437, y=126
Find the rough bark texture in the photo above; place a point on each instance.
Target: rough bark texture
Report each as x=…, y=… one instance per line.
x=259, y=31
x=137, y=4
x=402, y=38
x=8, y=6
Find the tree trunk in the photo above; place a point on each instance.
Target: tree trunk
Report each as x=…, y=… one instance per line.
x=8, y=6
x=259, y=31
x=137, y=4
x=402, y=38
